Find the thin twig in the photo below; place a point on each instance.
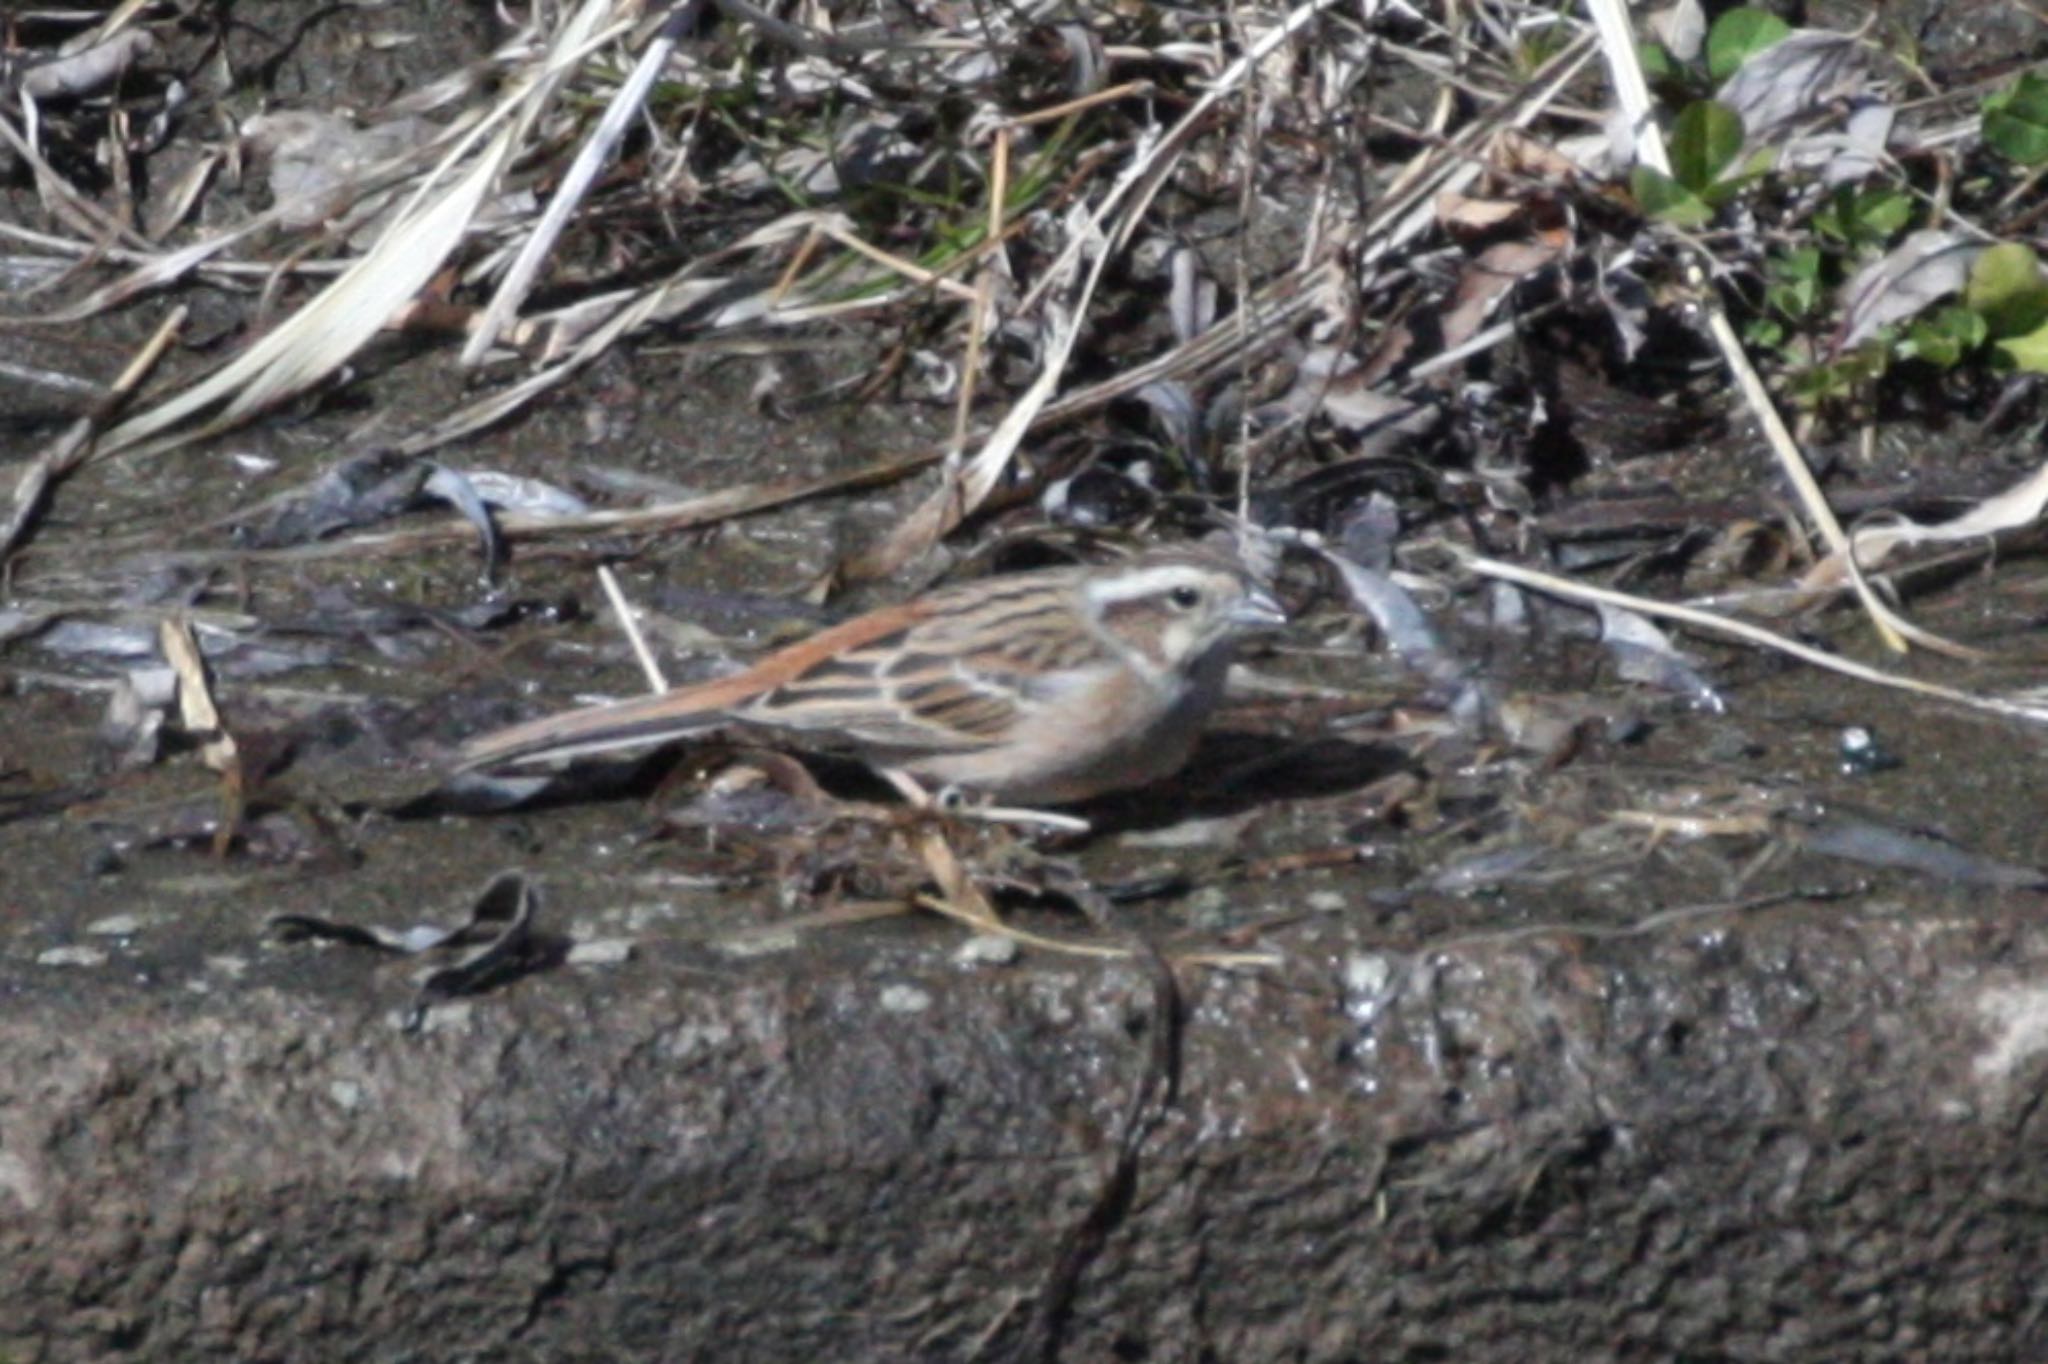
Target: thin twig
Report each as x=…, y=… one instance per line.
x=650, y=669
x=69, y=450
x=1754, y=634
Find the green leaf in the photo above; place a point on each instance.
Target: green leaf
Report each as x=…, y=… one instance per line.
x=2028, y=353
x=2006, y=288
x=1800, y=263
x=1660, y=196
x=2016, y=120
x=1705, y=140
x=1880, y=212
x=1841, y=378
x=1794, y=287
x=1944, y=338
x=1656, y=61
x=1732, y=183
x=1864, y=217
x=1739, y=35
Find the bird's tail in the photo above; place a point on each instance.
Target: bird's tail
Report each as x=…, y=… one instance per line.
x=638, y=723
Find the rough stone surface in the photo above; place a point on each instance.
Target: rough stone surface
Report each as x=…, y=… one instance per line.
x=1809, y=1133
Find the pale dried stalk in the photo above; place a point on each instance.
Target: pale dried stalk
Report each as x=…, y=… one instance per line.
x=568, y=197
x=69, y=450
x=1713, y=623
x=629, y=623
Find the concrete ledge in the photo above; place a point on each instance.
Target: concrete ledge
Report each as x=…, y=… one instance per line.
x=1811, y=1134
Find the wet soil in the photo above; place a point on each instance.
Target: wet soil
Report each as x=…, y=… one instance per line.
x=1516, y=1074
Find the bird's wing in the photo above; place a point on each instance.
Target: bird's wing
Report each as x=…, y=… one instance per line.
x=958, y=678
x=949, y=672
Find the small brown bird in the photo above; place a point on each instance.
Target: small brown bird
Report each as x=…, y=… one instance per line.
x=1047, y=687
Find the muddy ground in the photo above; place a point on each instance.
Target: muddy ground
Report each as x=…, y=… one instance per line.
x=1495, y=1069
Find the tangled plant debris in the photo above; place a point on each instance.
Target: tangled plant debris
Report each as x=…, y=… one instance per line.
x=1461, y=317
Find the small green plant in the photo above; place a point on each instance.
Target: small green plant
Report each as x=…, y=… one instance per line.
x=1944, y=337
x=1793, y=288
x=1739, y=35
x=1657, y=62
x=1538, y=46
x=2004, y=306
x=2016, y=120
x=2000, y=317
x=1847, y=377
x=1707, y=138
x=2008, y=291
x=1863, y=217
x=1706, y=143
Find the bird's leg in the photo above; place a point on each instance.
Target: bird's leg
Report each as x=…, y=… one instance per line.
x=951, y=800
x=907, y=787
x=1042, y=819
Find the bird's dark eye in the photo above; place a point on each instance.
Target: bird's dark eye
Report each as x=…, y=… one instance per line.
x=1185, y=598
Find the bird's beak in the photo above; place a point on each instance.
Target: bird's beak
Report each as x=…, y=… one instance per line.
x=1260, y=610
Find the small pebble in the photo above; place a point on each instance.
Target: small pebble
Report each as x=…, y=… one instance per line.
x=78, y=955
x=601, y=952
x=1863, y=753
x=115, y=926
x=757, y=944
x=905, y=999
x=450, y=1016
x=1207, y=908
x=987, y=949
x=1366, y=973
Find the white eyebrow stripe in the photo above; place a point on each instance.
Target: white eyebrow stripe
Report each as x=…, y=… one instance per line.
x=1148, y=582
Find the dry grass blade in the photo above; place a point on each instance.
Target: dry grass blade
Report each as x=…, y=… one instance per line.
x=1242, y=338
x=152, y=270
x=629, y=625
x=663, y=518
x=598, y=324
x=2032, y=711
x=1631, y=91
x=568, y=196
x=962, y=488
x=321, y=336
x=1892, y=628
x=1409, y=209
x=117, y=20
x=979, y=313
x=200, y=718
x=961, y=900
x=64, y=203
x=836, y=228
x=196, y=709
x=69, y=450
x=2017, y=507
x=1023, y=937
